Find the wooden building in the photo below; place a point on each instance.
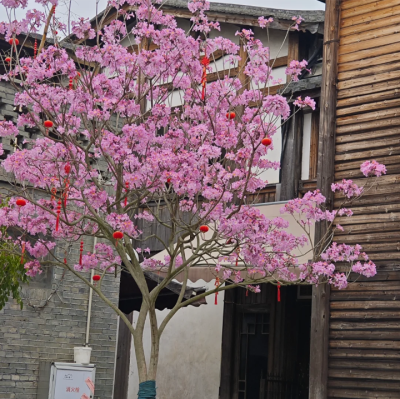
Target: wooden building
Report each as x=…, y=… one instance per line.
x=355, y=350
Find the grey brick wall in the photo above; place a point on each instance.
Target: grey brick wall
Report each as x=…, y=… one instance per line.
x=30, y=336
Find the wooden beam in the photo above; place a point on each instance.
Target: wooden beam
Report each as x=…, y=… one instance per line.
x=123, y=360
x=293, y=49
x=319, y=346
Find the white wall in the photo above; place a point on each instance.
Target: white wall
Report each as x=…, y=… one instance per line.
x=190, y=352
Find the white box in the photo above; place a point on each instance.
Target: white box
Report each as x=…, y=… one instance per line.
x=68, y=380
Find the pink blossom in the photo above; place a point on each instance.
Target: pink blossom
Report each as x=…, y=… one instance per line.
x=369, y=168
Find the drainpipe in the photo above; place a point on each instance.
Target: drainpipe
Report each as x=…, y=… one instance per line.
x=89, y=312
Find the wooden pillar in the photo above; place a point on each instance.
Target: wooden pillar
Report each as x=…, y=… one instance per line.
x=123, y=360
x=325, y=176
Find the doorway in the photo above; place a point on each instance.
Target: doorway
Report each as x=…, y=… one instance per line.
x=266, y=344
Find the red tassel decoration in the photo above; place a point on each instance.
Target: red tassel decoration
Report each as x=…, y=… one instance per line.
x=216, y=294
x=237, y=257
x=80, y=254
x=22, y=253
x=53, y=194
x=58, y=215
x=70, y=84
x=35, y=49
x=279, y=292
x=205, y=62
x=127, y=190
x=65, y=260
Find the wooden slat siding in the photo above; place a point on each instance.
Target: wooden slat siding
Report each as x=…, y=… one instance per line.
x=363, y=8
x=364, y=324
x=319, y=344
x=372, y=34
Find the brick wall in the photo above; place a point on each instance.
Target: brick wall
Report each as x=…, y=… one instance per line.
x=48, y=330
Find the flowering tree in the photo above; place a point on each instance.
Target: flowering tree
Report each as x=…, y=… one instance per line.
x=105, y=108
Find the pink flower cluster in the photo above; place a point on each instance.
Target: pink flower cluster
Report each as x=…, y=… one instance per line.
x=369, y=168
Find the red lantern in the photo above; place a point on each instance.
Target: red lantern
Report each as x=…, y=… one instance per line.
x=8, y=60
x=118, y=235
x=204, y=229
x=67, y=168
x=267, y=141
x=96, y=277
x=13, y=41
x=47, y=125
x=20, y=202
x=230, y=115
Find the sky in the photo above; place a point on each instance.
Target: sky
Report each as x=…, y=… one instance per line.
x=87, y=8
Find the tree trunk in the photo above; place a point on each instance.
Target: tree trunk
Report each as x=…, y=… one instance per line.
x=147, y=373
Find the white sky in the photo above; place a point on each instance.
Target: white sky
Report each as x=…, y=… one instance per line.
x=87, y=8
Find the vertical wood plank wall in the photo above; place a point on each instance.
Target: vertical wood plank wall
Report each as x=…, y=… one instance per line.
x=364, y=353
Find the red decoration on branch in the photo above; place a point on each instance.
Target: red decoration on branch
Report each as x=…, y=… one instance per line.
x=67, y=168
x=230, y=115
x=279, y=292
x=96, y=277
x=127, y=190
x=53, y=194
x=35, y=49
x=58, y=215
x=204, y=229
x=205, y=62
x=13, y=41
x=22, y=253
x=216, y=294
x=66, y=182
x=8, y=60
x=80, y=253
x=20, y=202
x=118, y=235
x=70, y=84
x=48, y=125
x=267, y=141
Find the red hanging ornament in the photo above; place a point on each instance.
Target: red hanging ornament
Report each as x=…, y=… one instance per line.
x=13, y=41
x=48, y=125
x=58, y=215
x=230, y=115
x=216, y=294
x=96, y=277
x=53, y=194
x=22, y=252
x=67, y=168
x=20, y=202
x=267, y=141
x=70, y=84
x=247, y=292
x=118, y=235
x=237, y=256
x=204, y=229
x=279, y=292
x=127, y=190
x=35, y=49
x=205, y=62
x=80, y=254
x=8, y=60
